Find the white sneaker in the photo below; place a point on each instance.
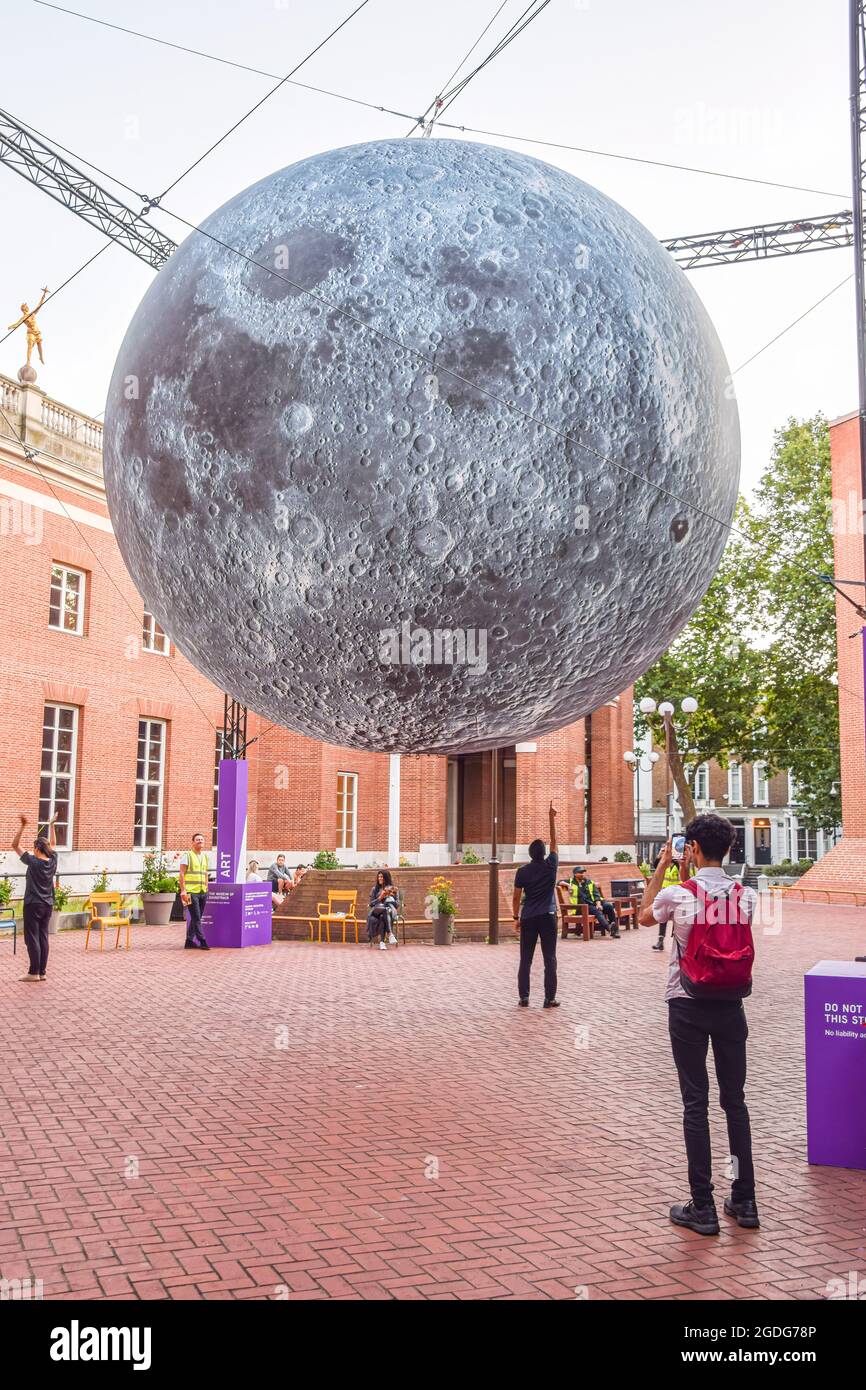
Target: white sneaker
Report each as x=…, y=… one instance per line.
x=392, y=938
x=382, y=946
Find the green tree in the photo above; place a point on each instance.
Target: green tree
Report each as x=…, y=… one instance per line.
x=760, y=652
x=793, y=547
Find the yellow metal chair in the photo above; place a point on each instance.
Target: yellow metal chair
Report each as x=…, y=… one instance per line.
x=115, y=917
x=331, y=912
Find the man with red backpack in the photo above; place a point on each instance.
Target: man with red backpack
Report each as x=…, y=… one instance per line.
x=710, y=975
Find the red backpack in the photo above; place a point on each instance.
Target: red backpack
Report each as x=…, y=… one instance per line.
x=717, y=961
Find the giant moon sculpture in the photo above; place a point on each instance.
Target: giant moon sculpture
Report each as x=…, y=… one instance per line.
x=421, y=446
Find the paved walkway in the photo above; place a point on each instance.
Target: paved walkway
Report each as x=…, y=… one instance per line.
x=309, y=1122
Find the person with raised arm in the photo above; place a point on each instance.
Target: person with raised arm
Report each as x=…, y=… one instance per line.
x=535, y=918
x=38, y=896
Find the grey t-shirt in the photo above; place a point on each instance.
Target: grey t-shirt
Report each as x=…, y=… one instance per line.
x=538, y=881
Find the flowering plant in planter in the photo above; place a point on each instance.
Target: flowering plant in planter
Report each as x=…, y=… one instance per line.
x=62, y=895
x=441, y=897
x=101, y=882
x=155, y=877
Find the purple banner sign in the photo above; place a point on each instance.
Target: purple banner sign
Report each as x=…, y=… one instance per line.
x=232, y=821
x=238, y=914
x=836, y=1063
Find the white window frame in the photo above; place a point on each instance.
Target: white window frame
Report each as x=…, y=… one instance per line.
x=65, y=571
x=347, y=822
x=759, y=770
x=732, y=799
x=140, y=833
x=702, y=778
x=792, y=790
x=151, y=633
x=52, y=774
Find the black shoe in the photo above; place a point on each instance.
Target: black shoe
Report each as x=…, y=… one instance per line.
x=704, y=1220
x=551, y=1003
x=746, y=1212
x=190, y=945
x=202, y=945
x=658, y=945
x=615, y=935
x=523, y=1003
x=861, y=958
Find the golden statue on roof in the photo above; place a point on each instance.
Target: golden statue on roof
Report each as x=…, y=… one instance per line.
x=28, y=317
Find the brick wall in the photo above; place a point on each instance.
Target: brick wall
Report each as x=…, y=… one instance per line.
x=846, y=862
x=113, y=683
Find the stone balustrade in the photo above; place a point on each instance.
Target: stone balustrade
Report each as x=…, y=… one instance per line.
x=62, y=435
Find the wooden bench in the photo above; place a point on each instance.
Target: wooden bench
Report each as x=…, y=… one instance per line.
x=577, y=918
x=787, y=889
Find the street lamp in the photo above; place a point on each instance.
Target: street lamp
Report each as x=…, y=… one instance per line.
x=666, y=710
x=639, y=760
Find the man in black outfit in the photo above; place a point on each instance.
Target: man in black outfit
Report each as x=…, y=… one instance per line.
x=537, y=917
x=38, y=896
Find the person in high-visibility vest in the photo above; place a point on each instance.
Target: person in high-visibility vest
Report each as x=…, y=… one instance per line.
x=670, y=880
x=193, y=892
x=583, y=889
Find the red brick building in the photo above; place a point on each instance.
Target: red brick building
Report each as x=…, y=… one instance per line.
x=845, y=865
x=104, y=720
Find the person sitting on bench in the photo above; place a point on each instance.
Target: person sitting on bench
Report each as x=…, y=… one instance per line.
x=382, y=911
x=586, y=890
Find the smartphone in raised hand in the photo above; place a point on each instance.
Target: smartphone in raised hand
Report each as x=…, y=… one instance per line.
x=678, y=844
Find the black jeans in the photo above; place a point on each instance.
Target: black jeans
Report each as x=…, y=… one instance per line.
x=693, y=1025
x=36, y=918
x=604, y=914
x=195, y=910
x=533, y=929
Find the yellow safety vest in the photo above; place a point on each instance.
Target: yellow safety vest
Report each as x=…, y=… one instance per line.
x=195, y=875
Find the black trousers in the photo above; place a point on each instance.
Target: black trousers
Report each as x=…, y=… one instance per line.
x=533, y=930
x=36, y=919
x=693, y=1025
x=604, y=913
x=195, y=910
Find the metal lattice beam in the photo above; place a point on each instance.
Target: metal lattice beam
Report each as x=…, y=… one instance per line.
x=48, y=170
x=792, y=238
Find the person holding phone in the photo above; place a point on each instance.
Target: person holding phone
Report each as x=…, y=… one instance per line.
x=700, y=1016
x=38, y=896
x=672, y=876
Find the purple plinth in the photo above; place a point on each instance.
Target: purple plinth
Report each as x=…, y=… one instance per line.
x=836, y=1063
x=238, y=914
x=232, y=821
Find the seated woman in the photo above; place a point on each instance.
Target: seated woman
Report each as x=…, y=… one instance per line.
x=253, y=876
x=382, y=910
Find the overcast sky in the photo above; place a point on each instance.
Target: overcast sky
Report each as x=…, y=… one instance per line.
x=756, y=88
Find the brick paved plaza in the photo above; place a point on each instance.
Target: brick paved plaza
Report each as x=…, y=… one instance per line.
x=306, y=1165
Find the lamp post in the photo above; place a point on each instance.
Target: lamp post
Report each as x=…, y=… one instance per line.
x=666, y=711
x=639, y=760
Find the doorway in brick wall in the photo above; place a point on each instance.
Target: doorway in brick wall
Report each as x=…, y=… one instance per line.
x=469, y=800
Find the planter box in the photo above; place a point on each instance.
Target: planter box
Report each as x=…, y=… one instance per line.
x=157, y=908
x=442, y=930
x=67, y=921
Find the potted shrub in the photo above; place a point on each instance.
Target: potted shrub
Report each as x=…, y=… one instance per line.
x=470, y=856
x=443, y=909
x=62, y=894
x=326, y=859
x=158, y=889
x=100, y=885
